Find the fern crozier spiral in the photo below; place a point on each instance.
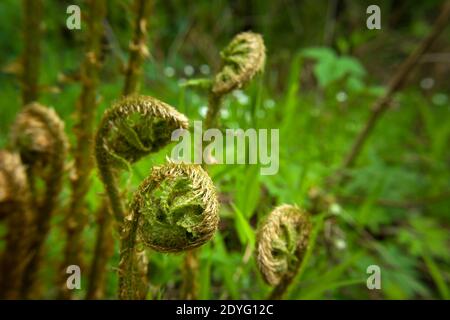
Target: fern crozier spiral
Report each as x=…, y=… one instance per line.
x=281, y=243
x=177, y=208
x=244, y=56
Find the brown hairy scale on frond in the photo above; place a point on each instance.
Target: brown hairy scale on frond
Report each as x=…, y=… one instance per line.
x=282, y=241
x=13, y=182
x=133, y=127
x=242, y=59
x=38, y=136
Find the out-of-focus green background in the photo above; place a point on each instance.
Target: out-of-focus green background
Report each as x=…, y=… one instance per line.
x=324, y=70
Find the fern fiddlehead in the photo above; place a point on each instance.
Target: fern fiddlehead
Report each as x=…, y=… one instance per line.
x=282, y=241
x=175, y=209
x=14, y=204
x=138, y=51
x=243, y=58
x=133, y=128
x=38, y=136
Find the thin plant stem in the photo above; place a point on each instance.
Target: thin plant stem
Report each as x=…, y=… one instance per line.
x=32, y=31
x=138, y=51
x=84, y=131
x=138, y=47
x=15, y=204
x=104, y=249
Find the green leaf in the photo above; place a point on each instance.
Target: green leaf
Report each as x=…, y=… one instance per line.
x=244, y=230
x=226, y=269
x=437, y=276
x=247, y=201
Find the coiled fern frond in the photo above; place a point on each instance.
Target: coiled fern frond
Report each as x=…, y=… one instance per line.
x=38, y=136
x=244, y=57
x=14, y=206
x=175, y=209
x=282, y=241
x=13, y=182
x=134, y=127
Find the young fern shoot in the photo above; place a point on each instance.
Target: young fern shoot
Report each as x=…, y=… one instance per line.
x=84, y=131
x=282, y=241
x=133, y=128
x=243, y=58
x=15, y=206
x=38, y=136
x=174, y=209
x=138, y=47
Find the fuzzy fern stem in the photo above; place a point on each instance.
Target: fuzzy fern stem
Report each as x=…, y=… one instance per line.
x=133, y=128
x=282, y=241
x=138, y=46
x=175, y=209
x=15, y=206
x=38, y=135
x=242, y=59
x=84, y=131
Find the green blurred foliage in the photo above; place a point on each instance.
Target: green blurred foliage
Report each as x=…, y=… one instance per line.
x=318, y=87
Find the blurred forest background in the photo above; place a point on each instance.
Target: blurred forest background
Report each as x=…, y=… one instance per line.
x=324, y=71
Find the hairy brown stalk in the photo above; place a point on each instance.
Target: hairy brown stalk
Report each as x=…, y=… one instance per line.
x=189, y=287
x=38, y=136
x=83, y=153
x=15, y=205
x=104, y=249
x=32, y=31
x=86, y=107
x=138, y=46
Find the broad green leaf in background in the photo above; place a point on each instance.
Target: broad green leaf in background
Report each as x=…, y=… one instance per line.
x=331, y=67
